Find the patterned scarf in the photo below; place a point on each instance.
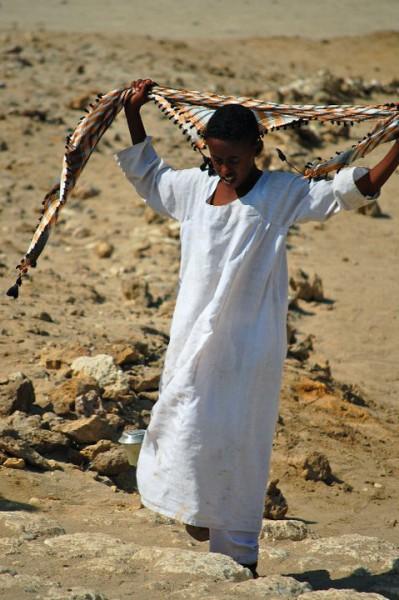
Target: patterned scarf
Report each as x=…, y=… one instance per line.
x=191, y=111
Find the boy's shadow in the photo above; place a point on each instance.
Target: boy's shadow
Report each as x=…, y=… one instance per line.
x=386, y=584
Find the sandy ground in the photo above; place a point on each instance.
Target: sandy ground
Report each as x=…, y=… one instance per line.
x=357, y=330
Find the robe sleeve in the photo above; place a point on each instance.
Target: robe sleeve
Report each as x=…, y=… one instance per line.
x=166, y=190
x=319, y=200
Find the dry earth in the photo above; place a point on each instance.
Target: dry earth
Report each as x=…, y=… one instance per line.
x=77, y=303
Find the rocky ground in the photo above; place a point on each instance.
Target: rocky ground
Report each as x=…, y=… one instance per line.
x=82, y=349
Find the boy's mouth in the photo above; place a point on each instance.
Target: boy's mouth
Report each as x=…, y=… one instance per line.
x=228, y=180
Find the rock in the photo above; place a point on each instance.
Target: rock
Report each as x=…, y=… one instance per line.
x=89, y=404
x=284, y=529
x=88, y=430
x=90, y=452
x=128, y=354
x=16, y=393
x=276, y=506
x=81, y=232
x=317, y=468
x=342, y=556
x=82, y=101
x=216, y=567
x=73, y=593
x=272, y=586
x=29, y=429
x=20, y=449
x=110, y=462
x=104, y=249
x=301, y=350
x=83, y=192
x=14, y=463
x=53, y=358
x=146, y=381
x=306, y=290
x=152, y=217
x=333, y=594
x=137, y=290
x=63, y=397
x=102, y=368
x=95, y=552
x=31, y=526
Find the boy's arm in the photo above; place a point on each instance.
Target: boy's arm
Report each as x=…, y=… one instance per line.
x=370, y=183
x=132, y=109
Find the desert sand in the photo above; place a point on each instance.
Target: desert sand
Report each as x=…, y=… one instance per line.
x=106, y=284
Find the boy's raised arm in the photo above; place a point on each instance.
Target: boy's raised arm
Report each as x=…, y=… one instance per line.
x=132, y=109
x=370, y=183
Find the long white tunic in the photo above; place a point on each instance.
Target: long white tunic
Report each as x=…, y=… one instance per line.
x=206, y=452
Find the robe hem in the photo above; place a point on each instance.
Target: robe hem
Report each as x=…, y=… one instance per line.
x=192, y=521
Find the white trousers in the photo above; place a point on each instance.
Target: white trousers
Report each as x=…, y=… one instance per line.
x=242, y=546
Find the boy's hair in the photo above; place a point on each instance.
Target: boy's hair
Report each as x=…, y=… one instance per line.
x=232, y=123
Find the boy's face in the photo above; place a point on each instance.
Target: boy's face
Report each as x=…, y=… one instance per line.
x=233, y=161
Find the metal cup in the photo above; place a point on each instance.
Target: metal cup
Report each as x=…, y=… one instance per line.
x=131, y=441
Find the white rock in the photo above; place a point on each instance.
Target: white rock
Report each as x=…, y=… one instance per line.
x=340, y=555
x=284, y=529
x=31, y=526
x=73, y=593
x=273, y=586
x=217, y=567
x=341, y=595
x=103, y=369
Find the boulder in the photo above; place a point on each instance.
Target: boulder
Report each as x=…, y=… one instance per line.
x=148, y=380
x=88, y=430
x=317, y=468
x=63, y=397
x=169, y=561
x=276, y=506
x=103, y=369
x=21, y=449
x=31, y=526
x=284, y=529
x=306, y=289
x=333, y=594
x=110, y=462
x=16, y=393
x=90, y=452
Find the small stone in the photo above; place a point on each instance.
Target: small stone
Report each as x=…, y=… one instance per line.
x=102, y=368
x=216, y=567
x=16, y=393
x=64, y=396
x=334, y=594
x=83, y=192
x=276, y=506
x=104, y=249
x=14, y=463
x=81, y=232
x=284, y=529
x=146, y=381
x=306, y=290
x=90, y=452
x=111, y=462
x=316, y=467
x=137, y=290
x=88, y=429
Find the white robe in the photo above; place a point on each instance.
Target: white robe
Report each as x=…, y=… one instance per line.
x=206, y=452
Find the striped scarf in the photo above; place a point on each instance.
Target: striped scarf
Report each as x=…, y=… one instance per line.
x=191, y=111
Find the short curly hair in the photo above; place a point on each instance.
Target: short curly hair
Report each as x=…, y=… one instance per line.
x=232, y=123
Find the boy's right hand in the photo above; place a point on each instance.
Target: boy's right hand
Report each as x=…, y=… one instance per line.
x=141, y=87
